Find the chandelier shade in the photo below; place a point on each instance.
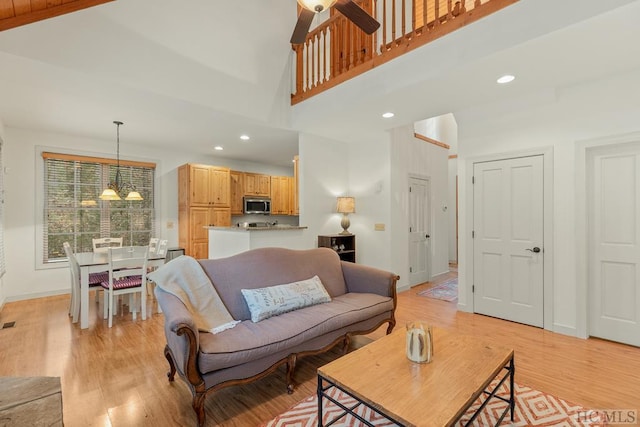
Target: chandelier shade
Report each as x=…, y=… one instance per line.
x=117, y=188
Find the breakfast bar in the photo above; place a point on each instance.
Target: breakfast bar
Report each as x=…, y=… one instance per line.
x=228, y=241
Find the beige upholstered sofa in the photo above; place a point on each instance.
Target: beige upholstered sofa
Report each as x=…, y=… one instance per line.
x=362, y=299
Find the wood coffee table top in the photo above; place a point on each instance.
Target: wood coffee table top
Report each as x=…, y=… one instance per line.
x=432, y=394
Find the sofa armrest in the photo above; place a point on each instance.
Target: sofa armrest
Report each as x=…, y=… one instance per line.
x=364, y=279
x=181, y=333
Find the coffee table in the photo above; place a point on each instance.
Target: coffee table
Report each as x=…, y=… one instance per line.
x=439, y=393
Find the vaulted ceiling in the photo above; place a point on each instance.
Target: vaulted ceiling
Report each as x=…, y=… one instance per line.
x=200, y=74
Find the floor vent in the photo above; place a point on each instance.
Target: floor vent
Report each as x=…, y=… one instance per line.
x=9, y=325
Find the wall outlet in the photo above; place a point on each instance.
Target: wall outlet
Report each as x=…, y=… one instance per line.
x=378, y=227
x=169, y=224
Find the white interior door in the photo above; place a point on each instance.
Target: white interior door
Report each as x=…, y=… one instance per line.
x=508, y=262
x=419, y=231
x=614, y=243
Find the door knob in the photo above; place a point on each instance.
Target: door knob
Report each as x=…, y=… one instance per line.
x=534, y=250
x=426, y=236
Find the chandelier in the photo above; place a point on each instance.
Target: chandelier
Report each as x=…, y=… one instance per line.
x=117, y=188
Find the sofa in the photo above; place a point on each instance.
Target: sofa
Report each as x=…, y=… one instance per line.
x=362, y=299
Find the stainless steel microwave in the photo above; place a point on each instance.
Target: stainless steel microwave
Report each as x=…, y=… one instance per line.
x=257, y=205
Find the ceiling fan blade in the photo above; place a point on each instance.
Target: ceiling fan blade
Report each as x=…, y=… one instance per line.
x=302, y=26
x=358, y=16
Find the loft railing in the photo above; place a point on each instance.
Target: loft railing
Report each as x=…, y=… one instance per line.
x=337, y=50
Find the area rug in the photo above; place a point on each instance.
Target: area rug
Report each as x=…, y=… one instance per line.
x=447, y=291
x=533, y=408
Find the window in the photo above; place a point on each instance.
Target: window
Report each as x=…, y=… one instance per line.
x=74, y=213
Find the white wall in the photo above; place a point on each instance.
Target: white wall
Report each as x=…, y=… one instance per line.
x=451, y=209
x=324, y=175
x=2, y=292
x=369, y=182
x=411, y=156
x=23, y=280
x=561, y=120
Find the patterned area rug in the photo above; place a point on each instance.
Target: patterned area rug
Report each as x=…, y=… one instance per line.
x=447, y=291
x=533, y=408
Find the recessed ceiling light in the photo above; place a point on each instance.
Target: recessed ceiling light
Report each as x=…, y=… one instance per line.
x=218, y=148
x=507, y=78
x=388, y=115
x=245, y=137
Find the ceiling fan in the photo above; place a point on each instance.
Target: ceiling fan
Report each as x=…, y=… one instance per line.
x=348, y=8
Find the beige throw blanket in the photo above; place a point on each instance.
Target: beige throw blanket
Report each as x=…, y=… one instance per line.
x=185, y=278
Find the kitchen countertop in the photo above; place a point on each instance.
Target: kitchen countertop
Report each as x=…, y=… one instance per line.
x=278, y=227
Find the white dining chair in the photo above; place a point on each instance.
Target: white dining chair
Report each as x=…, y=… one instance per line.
x=104, y=243
x=127, y=275
x=157, y=248
x=95, y=280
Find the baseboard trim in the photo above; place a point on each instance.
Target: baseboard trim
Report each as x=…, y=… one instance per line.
x=25, y=297
x=566, y=330
x=403, y=288
x=464, y=307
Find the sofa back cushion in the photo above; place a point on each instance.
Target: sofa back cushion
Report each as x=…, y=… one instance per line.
x=259, y=268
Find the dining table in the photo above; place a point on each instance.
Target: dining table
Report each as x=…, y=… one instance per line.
x=96, y=262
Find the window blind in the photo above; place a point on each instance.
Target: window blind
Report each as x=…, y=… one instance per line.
x=74, y=213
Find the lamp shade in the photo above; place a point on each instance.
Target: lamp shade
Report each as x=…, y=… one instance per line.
x=134, y=195
x=316, y=5
x=109, y=194
x=346, y=205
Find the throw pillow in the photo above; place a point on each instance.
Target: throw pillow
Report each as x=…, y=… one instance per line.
x=273, y=300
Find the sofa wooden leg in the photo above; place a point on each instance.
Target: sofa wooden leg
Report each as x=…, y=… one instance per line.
x=392, y=324
x=172, y=367
x=291, y=367
x=198, y=407
x=346, y=344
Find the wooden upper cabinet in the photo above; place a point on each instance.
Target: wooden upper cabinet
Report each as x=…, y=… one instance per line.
x=295, y=192
x=209, y=186
x=256, y=184
x=237, y=192
x=281, y=195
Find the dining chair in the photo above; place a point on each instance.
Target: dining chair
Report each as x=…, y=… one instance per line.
x=95, y=279
x=104, y=243
x=157, y=248
x=127, y=275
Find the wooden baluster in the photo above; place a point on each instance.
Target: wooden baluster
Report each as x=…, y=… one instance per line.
x=345, y=53
x=318, y=79
x=373, y=46
x=299, y=69
x=324, y=55
x=425, y=16
x=384, y=25
x=393, y=23
x=436, y=20
x=449, y=8
x=335, y=51
x=352, y=47
x=477, y=3
x=309, y=69
x=404, y=20
x=413, y=18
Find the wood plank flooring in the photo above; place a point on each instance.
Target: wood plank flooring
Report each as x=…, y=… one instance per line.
x=117, y=377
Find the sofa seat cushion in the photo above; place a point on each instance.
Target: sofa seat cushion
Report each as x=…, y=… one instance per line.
x=250, y=341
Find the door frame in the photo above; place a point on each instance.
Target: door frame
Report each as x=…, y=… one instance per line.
x=466, y=279
x=582, y=225
x=431, y=224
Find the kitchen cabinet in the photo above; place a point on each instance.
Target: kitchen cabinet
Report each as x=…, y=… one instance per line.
x=295, y=184
x=204, y=198
x=237, y=192
x=256, y=184
x=343, y=244
x=281, y=195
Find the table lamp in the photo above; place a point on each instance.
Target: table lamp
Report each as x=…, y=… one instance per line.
x=346, y=205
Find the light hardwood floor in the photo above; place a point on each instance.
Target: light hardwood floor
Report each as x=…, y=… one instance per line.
x=117, y=377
